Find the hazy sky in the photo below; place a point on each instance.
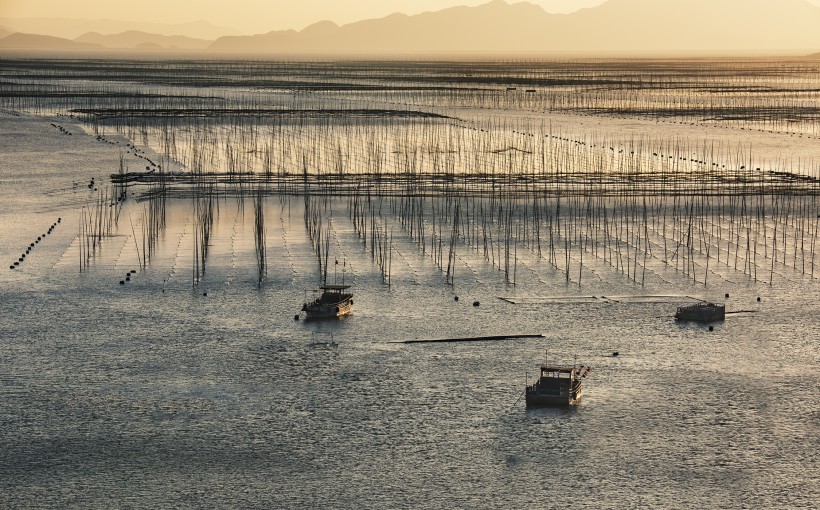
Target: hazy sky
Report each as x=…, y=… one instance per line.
x=248, y=16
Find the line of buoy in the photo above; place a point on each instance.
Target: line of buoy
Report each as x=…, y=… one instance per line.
x=128, y=276
x=62, y=129
x=36, y=241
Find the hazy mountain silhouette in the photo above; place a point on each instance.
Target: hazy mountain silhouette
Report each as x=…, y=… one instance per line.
x=615, y=26
x=21, y=41
x=144, y=40
x=5, y=32
x=495, y=26
x=72, y=28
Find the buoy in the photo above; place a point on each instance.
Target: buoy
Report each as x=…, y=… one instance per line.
x=711, y=328
x=122, y=282
x=205, y=294
x=133, y=271
x=59, y=220
x=455, y=298
x=758, y=299
x=16, y=263
x=128, y=278
x=296, y=317
x=38, y=238
x=476, y=303
x=727, y=294
x=614, y=354
x=11, y=267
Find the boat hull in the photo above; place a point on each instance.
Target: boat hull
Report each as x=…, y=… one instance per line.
x=536, y=398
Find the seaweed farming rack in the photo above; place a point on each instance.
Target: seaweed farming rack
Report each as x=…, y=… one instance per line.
x=747, y=183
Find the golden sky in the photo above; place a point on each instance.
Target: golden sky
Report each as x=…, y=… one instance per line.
x=247, y=16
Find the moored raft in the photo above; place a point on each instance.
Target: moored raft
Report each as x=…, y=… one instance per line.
x=701, y=312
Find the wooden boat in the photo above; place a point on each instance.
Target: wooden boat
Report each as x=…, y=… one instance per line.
x=333, y=302
x=701, y=312
x=557, y=386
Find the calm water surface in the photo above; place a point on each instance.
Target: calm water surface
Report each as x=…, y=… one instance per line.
x=154, y=395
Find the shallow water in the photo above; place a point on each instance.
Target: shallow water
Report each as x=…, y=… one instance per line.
x=152, y=394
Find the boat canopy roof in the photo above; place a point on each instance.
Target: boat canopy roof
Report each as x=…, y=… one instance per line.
x=551, y=368
x=334, y=287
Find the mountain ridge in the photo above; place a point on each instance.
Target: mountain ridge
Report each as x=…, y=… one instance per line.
x=71, y=28
x=23, y=41
x=496, y=27
x=136, y=39
x=616, y=25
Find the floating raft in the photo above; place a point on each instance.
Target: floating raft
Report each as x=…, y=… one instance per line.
x=472, y=339
x=637, y=299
